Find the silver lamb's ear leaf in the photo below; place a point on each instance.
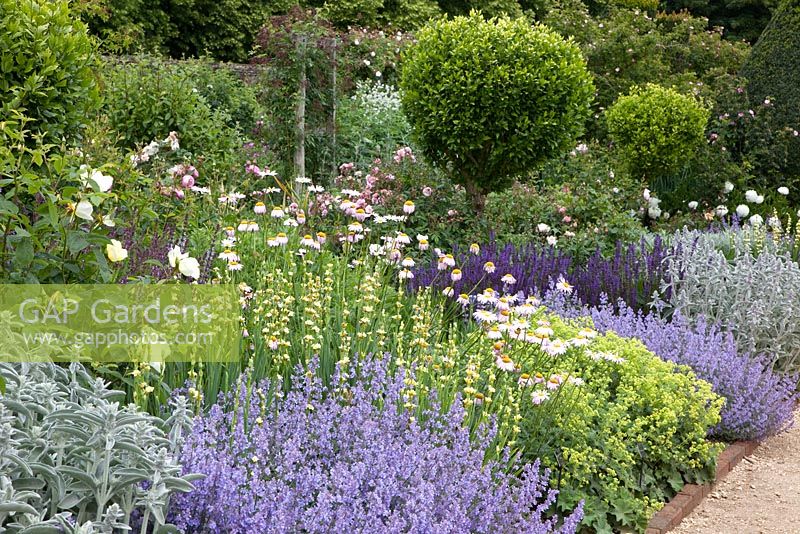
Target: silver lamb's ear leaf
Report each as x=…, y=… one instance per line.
x=28, y=483
x=42, y=529
x=178, y=484
x=169, y=528
x=18, y=508
x=71, y=500
x=52, y=477
x=81, y=476
x=17, y=407
x=158, y=513
x=19, y=462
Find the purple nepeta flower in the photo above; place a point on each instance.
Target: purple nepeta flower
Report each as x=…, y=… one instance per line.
x=759, y=401
x=347, y=459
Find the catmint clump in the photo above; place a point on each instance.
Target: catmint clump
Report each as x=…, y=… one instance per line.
x=345, y=459
x=759, y=401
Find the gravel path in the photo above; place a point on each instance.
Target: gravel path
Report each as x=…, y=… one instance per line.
x=760, y=495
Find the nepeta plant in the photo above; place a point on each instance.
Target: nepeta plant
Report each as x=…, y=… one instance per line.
x=73, y=460
x=346, y=459
x=755, y=296
x=759, y=402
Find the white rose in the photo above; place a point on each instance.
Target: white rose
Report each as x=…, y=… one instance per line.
x=693, y=205
x=102, y=181
x=84, y=210
x=175, y=256
x=115, y=251
x=189, y=267
x=783, y=190
x=751, y=196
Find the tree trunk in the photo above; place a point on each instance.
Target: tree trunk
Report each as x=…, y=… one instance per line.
x=476, y=196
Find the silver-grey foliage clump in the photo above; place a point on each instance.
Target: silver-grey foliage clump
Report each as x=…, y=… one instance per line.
x=744, y=282
x=72, y=460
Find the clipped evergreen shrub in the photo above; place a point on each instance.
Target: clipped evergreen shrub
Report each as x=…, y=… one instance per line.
x=656, y=129
x=490, y=100
x=773, y=73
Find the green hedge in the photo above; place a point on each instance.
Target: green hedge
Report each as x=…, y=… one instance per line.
x=773, y=72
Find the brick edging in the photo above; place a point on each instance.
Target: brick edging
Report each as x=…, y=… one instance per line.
x=692, y=495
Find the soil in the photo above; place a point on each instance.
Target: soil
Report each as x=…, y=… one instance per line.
x=760, y=495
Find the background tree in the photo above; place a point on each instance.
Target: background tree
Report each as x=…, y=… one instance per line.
x=773, y=73
x=741, y=19
x=490, y=100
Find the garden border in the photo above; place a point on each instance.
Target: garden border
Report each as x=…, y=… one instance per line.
x=691, y=495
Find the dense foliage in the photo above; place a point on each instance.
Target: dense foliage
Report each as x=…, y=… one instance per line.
x=46, y=68
x=149, y=99
x=407, y=362
x=224, y=29
x=656, y=128
x=72, y=458
x=491, y=100
x=773, y=73
x=758, y=401
x=743, y=291
x=634, y=438
x=739, y=20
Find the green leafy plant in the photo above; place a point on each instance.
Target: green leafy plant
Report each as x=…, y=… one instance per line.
x=656, y=129
x=626, y=47
x=371, y=125
x=634, y=437
x=149, y=99
x=773, y=73
x=54, y=213
x=46, y=67
x=583, y=200
x=491, y=100
x=224, y=92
